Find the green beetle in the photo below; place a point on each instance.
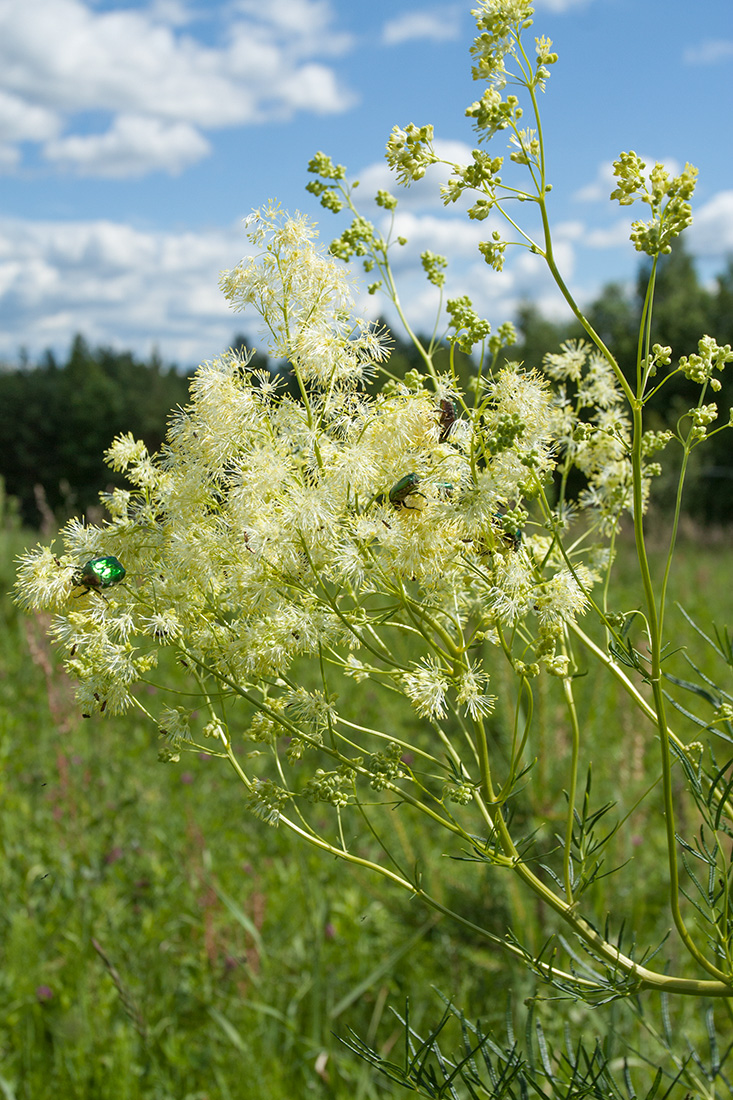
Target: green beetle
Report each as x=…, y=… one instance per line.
x=100, y=573
x=406, y=487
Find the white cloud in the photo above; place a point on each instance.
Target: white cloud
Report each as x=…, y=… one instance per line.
x=600, y=188
x=315, y=85
x=24, y=121
x=610, y=236
x=133, y=146
x=570, y=231
x=560, y=5
x=9, y=157
x=709, y=52
x=59, y=58
x=711, y=232
x=305, y=23
x=453, y=237
x=439, y=25
x=173, y=12
x=118, y=285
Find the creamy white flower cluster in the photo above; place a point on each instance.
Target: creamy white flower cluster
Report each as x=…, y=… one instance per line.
x=593, y=431
x=272, y=527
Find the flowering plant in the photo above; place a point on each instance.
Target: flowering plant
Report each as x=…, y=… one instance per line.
x=420, y=543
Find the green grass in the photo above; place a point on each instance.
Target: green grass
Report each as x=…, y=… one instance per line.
x=237, y=955
x=227, y=956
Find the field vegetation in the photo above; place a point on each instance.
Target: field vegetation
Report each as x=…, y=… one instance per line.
x=160, y=942
x=456, y=628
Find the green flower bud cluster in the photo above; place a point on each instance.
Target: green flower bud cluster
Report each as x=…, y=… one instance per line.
x=491, y=113
x=462, y=793
x=470, y=329
x=660, y=357
x=699, y=368
x=434, y=267
x=330, y=198
x=410, y=152
x=513, y=520
x=505, y=429
x=322, y=165
x=262, y=728
x=386, y=200
x=629, y=173
x=701, y=416
x=558, y=665
x=384, y=767
x=668, y=219
x=493, y=251
x=357, y=240
x=482, y=173
x=499, y=24
x=651, y=442
x=334, y=787
x=505, y=336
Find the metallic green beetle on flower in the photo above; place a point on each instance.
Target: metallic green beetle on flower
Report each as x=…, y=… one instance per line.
x=100, y=573
x=406, y=487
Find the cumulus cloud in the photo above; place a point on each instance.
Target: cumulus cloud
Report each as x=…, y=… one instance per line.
x=455, y=236
x=9, y=157
x=133, y=146
x=117, y=285
x=438, y=25
x=600, y=188
x=141, y=289
x=306, y=23
x=709, y=52
x=136, y=63
x=711, y=233
x=615, y=235
x=24, y=121
x=560, y=6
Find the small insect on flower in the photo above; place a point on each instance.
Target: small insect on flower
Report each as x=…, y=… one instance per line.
x=510, y=537
x=406, y=487
x=446, y=419
x=100, y=573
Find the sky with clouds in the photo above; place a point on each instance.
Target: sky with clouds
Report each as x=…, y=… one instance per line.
x=135, y=135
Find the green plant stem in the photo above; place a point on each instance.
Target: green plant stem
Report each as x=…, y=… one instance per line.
x=656, y=685
x=567, y=687
x=673, y=535
x=646, y=979
x=635, y=404
x=379, y=254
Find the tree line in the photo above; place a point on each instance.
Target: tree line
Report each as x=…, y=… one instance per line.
x=56, y=419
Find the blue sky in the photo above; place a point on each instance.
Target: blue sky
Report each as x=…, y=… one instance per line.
x=136, y=136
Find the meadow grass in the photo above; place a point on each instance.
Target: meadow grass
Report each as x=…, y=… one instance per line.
x=157, y=941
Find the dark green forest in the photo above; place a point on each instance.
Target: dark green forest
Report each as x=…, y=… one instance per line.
x=56, y=419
